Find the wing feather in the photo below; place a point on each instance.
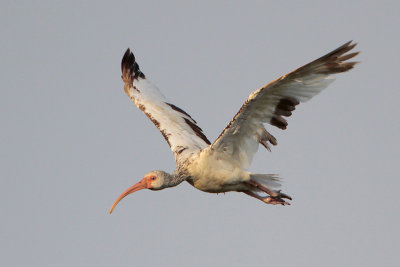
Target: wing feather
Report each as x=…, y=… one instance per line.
x=276, y=100
x=179, y=129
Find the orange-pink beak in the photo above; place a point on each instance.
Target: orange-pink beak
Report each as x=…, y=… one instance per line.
x=140, y=185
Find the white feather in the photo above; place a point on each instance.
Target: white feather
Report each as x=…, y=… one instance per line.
x=181, y=137
x=241, y=137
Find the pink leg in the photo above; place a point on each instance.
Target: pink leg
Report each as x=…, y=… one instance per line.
x=268, y=200
x=274, y=198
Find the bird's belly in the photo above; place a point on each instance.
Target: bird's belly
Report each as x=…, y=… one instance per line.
x=214, y=185
x=217, y=176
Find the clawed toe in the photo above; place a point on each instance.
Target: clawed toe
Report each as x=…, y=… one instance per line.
x=282, y=195
x=276, y=201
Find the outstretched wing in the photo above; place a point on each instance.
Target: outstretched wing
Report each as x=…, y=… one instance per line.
x=269, y=104
x=178, y=128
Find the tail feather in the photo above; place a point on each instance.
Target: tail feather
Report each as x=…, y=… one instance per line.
x=271, y=181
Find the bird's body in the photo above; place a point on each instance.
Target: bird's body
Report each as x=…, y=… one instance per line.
x=223, y=165
x=215, y=173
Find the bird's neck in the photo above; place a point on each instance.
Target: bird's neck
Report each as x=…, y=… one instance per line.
x=176, y=179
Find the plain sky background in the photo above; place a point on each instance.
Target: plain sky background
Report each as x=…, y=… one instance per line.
x=71, y=141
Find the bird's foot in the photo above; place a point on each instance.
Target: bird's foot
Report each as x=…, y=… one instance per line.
x=275, y=196
x=276, y=201
x=272, y=193
x=279, y=194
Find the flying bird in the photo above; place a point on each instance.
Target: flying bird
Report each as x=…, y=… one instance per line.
x=222, y=166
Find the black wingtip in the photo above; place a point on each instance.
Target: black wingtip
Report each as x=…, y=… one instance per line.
x=129, y=67
x=127, y=60
x=336, y=60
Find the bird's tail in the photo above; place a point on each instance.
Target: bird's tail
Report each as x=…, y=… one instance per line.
x=270, y=181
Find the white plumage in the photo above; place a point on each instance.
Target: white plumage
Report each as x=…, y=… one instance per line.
x=223, y=165
x=175, y=125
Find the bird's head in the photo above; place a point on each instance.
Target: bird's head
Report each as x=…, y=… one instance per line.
x=154, y=180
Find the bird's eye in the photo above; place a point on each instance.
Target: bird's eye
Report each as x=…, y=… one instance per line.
x=153, y=178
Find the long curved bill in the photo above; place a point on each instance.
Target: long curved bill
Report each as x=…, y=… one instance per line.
x=139, y=186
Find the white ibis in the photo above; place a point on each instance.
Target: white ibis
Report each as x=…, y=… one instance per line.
x=222, y=166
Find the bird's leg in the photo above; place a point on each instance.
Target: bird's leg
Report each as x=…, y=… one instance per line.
x=274, y=198
x=268, y=200
x=272, y=193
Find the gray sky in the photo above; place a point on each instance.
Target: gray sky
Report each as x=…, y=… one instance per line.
x=71, y=140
